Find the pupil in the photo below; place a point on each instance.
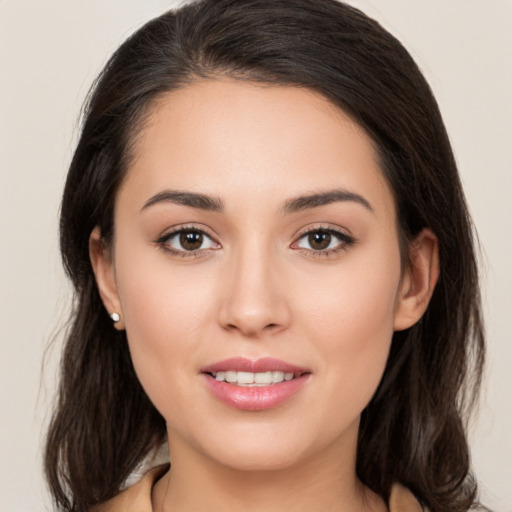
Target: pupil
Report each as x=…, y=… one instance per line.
x=191, y=240
x=320, y=240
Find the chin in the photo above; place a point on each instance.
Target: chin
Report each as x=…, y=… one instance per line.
x=247, y=446
x=259, y=458
x=274, y=447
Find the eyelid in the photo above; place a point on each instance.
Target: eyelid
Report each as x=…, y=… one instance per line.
x=346, y=239
x=162, y=240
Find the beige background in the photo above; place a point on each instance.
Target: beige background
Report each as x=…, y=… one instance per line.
x=50, y=51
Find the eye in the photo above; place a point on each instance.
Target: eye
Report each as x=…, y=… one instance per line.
x=323, y=241
x=187, y=240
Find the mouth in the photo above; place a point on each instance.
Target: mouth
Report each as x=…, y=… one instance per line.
x=266, y=371
x=254, y=385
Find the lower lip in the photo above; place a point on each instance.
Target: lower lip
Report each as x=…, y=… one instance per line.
x=255, y=398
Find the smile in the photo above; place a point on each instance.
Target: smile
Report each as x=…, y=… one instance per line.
x=254, y=385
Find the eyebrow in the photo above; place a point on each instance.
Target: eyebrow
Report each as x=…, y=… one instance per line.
x=294, y=205
x=192, y=199
x=316, y=200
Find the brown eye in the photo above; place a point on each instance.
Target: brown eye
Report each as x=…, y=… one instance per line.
x=323, y=242
x=191, y=240
x=187, y=241
x=319, y=240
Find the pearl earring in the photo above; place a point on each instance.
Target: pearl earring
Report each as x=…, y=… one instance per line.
x=115, y=317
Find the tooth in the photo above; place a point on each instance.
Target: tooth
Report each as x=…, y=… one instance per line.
x=277, y=377
x=263, y=378
x=253, y=379
x=231, y=376
x=245, y=377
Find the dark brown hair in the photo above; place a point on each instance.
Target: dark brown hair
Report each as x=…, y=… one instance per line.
x=413, y=430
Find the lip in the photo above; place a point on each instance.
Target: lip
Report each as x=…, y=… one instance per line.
x=265, y=364
x=258, y=398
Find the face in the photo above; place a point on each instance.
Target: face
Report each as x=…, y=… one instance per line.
x=256, y=267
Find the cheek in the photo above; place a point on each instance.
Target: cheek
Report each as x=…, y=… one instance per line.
x=351, y=319
x=165, y=319
x=354, y=303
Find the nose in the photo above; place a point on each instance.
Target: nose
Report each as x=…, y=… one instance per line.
x=254, y=298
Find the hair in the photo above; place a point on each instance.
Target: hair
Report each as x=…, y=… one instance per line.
x=413, y=430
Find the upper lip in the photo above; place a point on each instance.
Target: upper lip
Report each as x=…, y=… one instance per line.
x=266, y=364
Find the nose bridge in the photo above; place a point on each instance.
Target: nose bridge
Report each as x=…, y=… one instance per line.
x=254, y=298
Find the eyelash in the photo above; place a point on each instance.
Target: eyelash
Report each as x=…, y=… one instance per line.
x=163, y=242
x=345, y=241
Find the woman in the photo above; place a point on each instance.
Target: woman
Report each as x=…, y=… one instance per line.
x=274, y=270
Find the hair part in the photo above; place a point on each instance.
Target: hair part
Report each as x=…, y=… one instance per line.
x=413, y=430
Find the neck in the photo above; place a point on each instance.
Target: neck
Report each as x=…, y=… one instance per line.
x=327, y=481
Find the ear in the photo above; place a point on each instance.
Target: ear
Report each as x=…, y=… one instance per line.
x=103, y=267
x=418, y=281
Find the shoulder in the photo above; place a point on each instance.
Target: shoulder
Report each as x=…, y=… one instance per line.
x=136, y=498
x=403, y=500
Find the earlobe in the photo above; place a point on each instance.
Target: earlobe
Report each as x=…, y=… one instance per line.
x=103, y=268
x=419, y=280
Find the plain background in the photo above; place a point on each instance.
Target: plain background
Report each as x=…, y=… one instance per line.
x=51, y=50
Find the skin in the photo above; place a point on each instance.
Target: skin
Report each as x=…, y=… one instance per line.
x=258, y=288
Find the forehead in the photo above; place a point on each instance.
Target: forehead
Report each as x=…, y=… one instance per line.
x=234, y=137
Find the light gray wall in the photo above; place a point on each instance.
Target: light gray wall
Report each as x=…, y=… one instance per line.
x=50, y=51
